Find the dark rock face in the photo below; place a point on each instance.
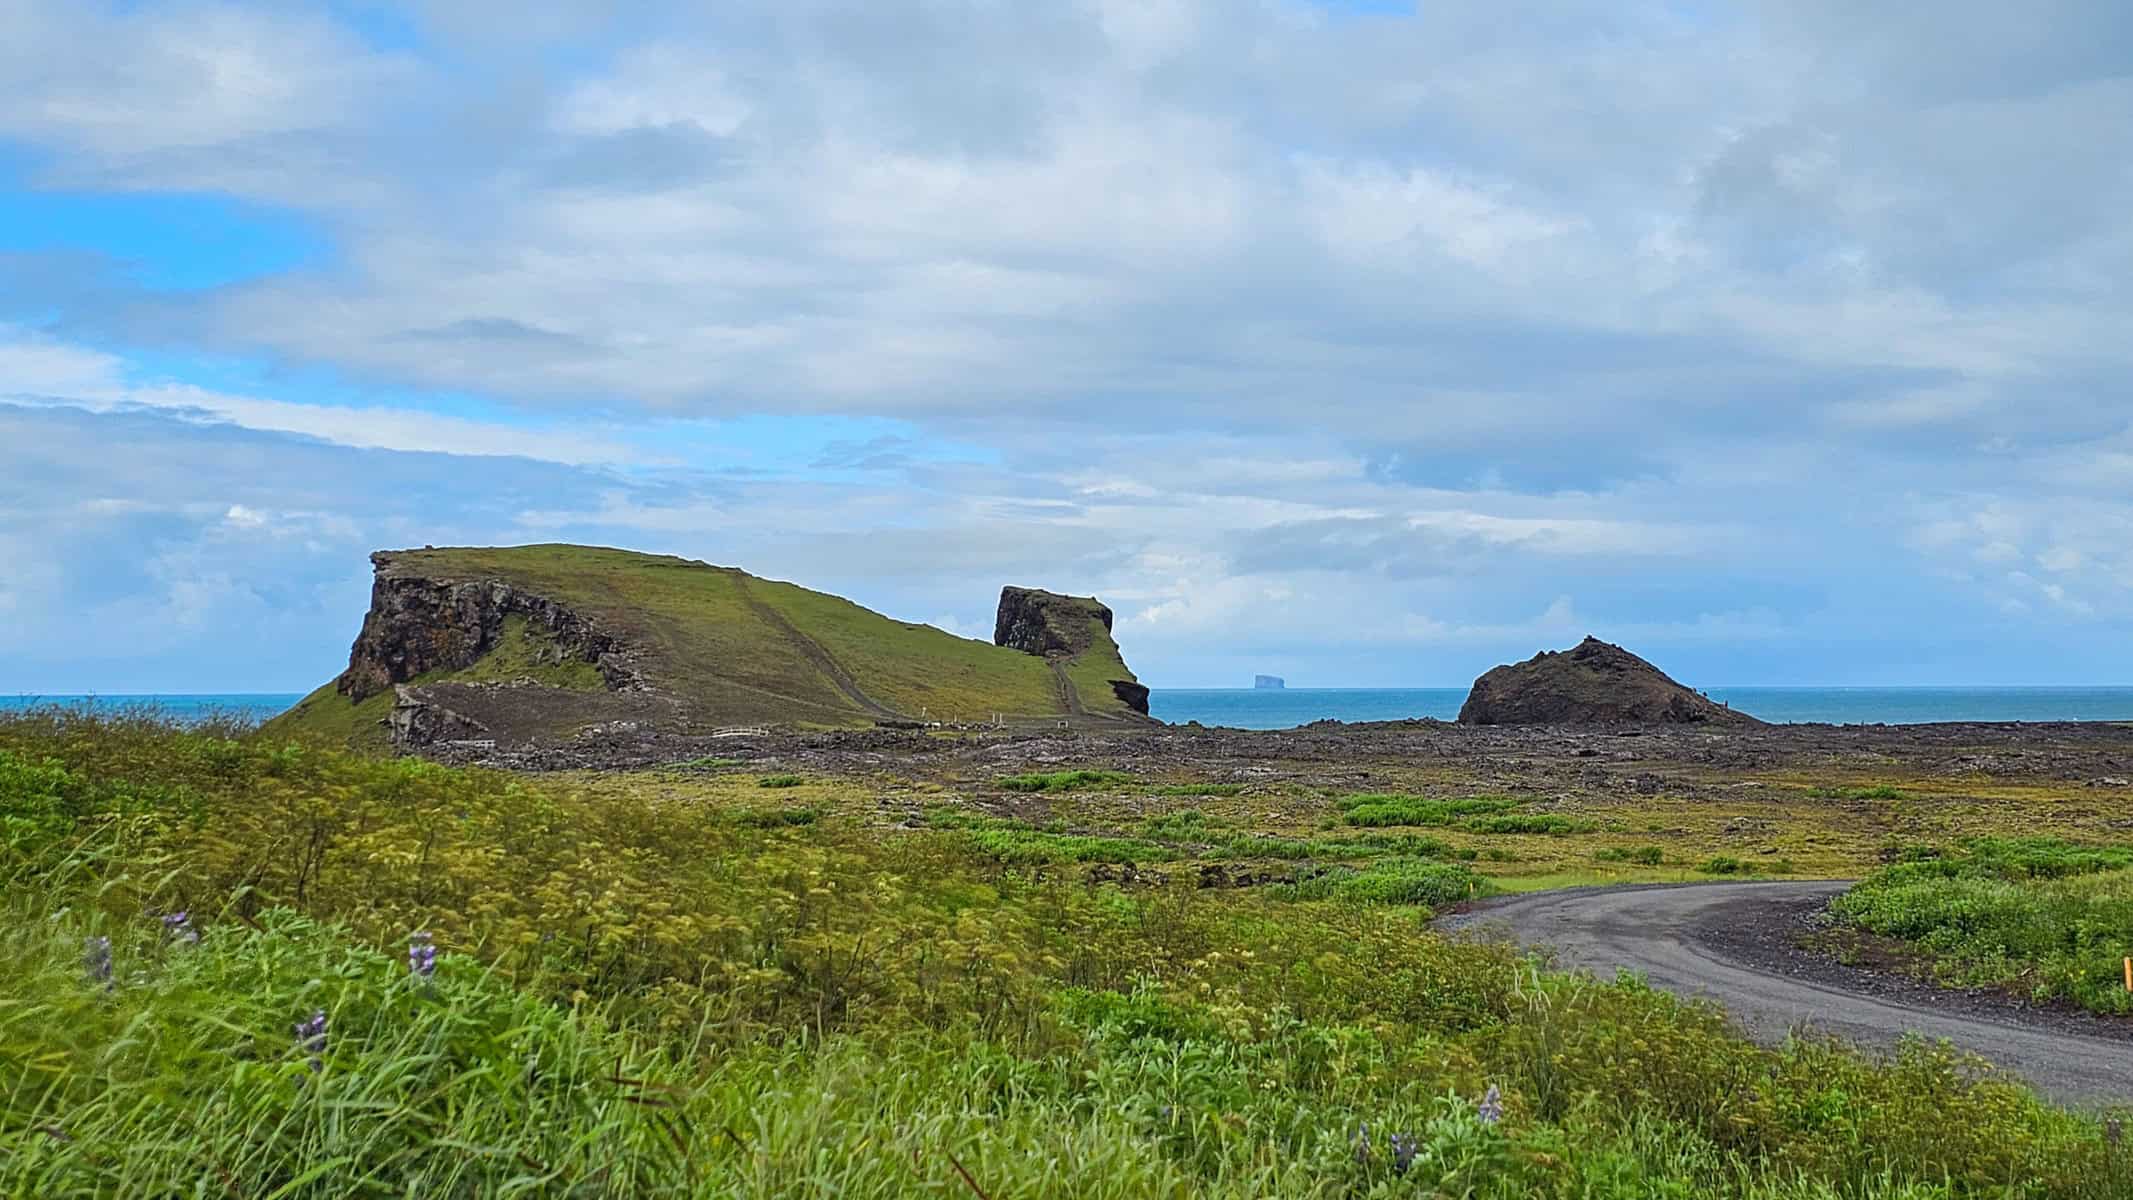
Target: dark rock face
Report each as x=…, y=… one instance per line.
x=1593, y=684
x=1059, y=628
x=417, y=625
x=1038, y=622
x=1133, y=695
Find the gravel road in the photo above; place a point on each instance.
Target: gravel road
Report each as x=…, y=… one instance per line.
x=1731, y=942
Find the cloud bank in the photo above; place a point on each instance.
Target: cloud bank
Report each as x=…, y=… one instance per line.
x=1362, y=344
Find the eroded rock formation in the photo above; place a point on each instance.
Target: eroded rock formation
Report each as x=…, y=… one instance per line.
x=1062, y=629
x=418, y=624
x=1595, y=683
x=1043, y=623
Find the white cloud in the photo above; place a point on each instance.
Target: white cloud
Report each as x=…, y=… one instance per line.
x=1272, y=323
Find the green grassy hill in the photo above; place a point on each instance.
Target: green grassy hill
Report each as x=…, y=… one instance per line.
x=568, y=636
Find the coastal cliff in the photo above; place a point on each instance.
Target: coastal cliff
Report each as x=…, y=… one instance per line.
x=537, y=645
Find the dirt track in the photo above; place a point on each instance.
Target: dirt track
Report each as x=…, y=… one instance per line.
x=1727, y=942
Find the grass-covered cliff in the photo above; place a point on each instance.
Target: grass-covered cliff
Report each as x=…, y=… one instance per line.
x=538, y=643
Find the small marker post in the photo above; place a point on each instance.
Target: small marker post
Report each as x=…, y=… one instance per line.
x=2129, y=974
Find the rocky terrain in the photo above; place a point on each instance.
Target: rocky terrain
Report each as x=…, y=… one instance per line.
x=1595, y=683
x=1686, y=760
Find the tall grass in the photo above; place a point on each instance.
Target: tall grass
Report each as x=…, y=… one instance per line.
x=636, y=1001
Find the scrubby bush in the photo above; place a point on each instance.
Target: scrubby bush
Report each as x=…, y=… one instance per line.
x=1062, y=781
x=1647, y=856
x=1526, y=823
x=1377, y=809
x=1397, y=882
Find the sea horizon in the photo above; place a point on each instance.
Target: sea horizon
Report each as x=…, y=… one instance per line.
x=1288, y=707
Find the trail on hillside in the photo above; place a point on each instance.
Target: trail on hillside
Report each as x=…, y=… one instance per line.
x=1731, y=942
x=1069, y=695
x=814, y=653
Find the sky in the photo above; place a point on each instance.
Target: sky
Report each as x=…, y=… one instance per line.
x=1367, y=344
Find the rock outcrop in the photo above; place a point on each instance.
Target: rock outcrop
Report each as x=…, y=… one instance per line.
x=418, y=624
x=1595, y=683
x=1068, y=632
x=1043, y=623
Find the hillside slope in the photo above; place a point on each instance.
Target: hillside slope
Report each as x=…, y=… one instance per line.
x=539, y=643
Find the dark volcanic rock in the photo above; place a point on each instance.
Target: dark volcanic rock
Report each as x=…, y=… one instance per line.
x=417, y=625
x=1035, y=621
x=1060, y=629
x=1594, y=684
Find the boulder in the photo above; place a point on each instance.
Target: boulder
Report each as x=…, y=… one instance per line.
x=1594, y=683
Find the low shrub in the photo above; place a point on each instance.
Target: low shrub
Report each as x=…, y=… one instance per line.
x=776, y=818
x=1399, y=882
x=1377, y=809
x=1648, y=856
x=780, y=781
x=1549, y=823
x=1062, y=781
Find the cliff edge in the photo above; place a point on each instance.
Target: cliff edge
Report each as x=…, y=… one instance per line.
x=533, y=645
x=1073, y=635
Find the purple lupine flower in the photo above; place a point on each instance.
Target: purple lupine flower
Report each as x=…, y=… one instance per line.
x=421, y=955
x=1490, y=1110
x=1362, y=1145
x=311, y=1039
x=178, y=927
x=1404, y=1149
x=96, y=959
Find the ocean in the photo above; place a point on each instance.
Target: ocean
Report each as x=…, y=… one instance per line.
x=250, y=706
x=1282, y=708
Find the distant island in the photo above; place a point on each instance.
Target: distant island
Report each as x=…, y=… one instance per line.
x=1269, y=682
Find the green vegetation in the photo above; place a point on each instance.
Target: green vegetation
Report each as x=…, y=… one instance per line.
x=780, y=781
x=1063, y=781
x=1378, y=809
x=1197, y=789
x=2047, y=917
x=634, y=1000
x=1879, y=791
x=776, y=818
x=1548, y=823
x=735, y=648
x=1402, y=881
x=1475, y=814
x=1649, y=856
